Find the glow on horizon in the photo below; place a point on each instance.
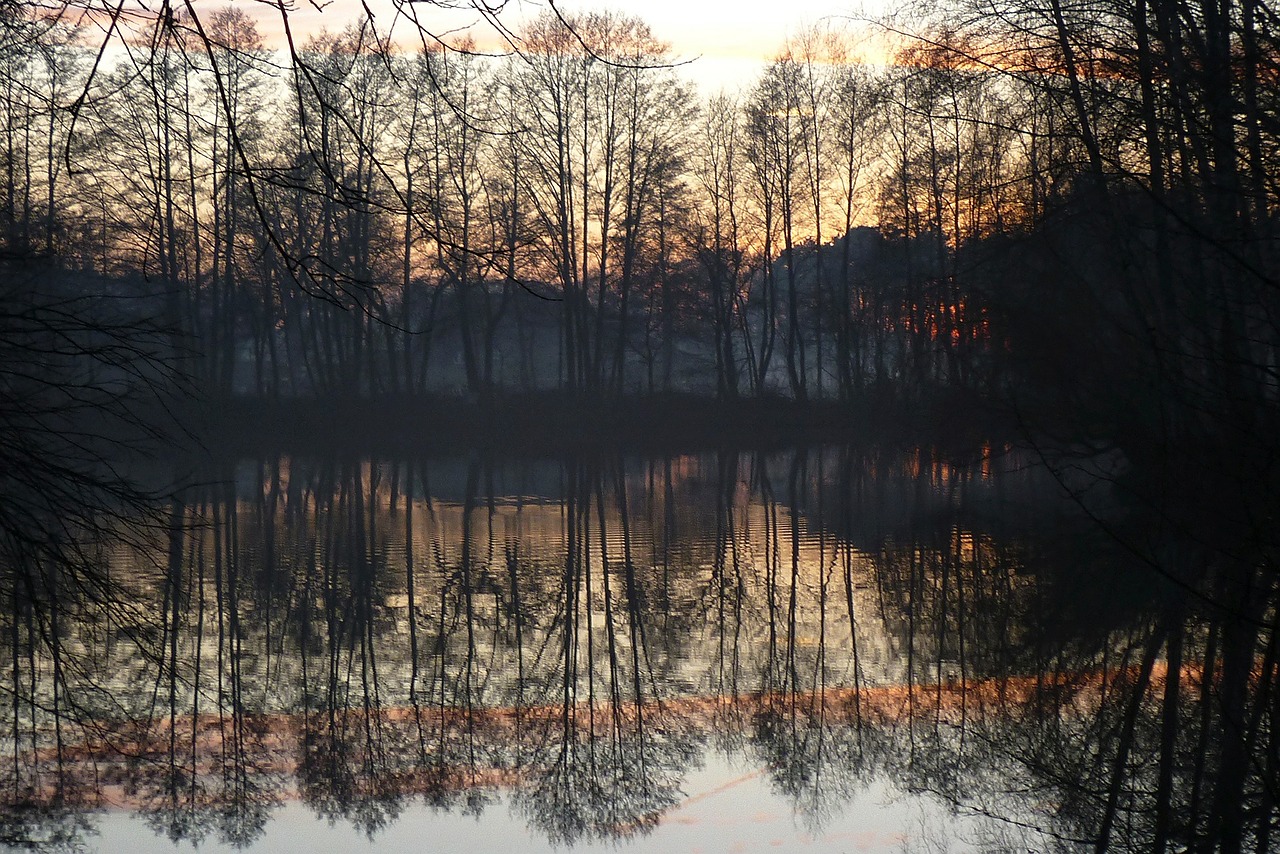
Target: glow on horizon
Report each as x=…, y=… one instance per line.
x=724, y=44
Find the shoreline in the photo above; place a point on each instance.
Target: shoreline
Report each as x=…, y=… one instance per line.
x=553, y=422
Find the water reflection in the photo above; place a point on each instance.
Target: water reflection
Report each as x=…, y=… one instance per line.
x=574, y=637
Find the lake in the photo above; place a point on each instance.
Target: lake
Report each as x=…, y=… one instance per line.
x=834, y=649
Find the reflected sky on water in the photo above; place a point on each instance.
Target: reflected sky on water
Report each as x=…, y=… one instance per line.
x=729, y=810
x=830, y=650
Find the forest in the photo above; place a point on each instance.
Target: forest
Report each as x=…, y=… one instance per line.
x=1011, y=196
x=1066, y=213
x=357, y=218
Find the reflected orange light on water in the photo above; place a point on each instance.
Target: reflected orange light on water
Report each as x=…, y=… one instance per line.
x=279, y=740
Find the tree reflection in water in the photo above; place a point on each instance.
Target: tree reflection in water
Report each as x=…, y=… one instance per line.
x=575, y=636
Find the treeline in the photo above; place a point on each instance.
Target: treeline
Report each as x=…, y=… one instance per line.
x=1018, y=195
x=361, y=219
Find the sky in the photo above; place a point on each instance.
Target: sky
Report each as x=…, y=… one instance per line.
x=727, y=41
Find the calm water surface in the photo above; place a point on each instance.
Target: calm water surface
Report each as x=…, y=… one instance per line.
x=832, y=650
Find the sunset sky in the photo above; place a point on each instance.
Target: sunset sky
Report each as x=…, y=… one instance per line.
x=726, y=40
